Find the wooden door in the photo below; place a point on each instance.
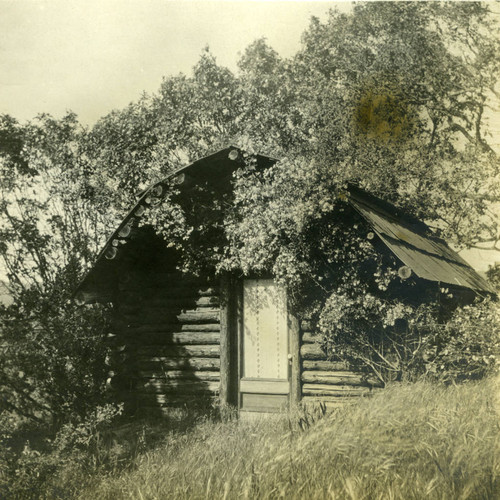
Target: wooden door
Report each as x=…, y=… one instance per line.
x=264, y=370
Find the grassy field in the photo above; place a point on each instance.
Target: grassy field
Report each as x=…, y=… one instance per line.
x=408, y=442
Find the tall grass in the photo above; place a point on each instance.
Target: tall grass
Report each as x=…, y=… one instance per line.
x=408, y=442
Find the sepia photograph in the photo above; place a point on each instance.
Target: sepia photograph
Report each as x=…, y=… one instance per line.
x=249, y=249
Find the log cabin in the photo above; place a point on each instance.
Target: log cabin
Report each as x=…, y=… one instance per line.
x=181, y=339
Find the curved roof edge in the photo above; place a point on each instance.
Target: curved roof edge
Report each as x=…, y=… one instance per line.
x=215, y=168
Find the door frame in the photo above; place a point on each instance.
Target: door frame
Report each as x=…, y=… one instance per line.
x=293, y=338
x=231, y=307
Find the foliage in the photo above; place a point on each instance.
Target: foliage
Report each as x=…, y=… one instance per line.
x=289, y=222
x=408, y=440
x=392, y=96
x=299, y=227
x=399, y=341
x=52, y=352
x=192, y=225
x=52, y=359
x=466, y=346
x=52, y=464
x=44, y=468
x=374, y=97
x=371, y=330
x=493, y=275
x=401, y=86
x=141, y=144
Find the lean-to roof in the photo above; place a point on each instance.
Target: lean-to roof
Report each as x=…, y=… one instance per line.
x=414, y=244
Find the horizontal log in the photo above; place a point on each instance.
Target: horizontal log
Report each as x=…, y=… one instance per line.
x=310, y=338
x=333, y=390
x=337, y=378
x=146, y=290
x=169, y=296
x=161, y=402
x=138, y=301
x=157, y=386
x=148, y=309
x=182, y=302
x=165, y=410
x=178, y=386
x=167, y=285
x=164, y=271
x=174, y=338
x=307, y=325
x=184, y=364
x=168, y=275
x=155, y=401
x=122, y=327
x=155, y=316
x=188, y=351
x=312, y=352
x=208, y=376
x=324, y=365
x=148, y=325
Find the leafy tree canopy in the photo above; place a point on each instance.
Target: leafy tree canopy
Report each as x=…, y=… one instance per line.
x=394, y=95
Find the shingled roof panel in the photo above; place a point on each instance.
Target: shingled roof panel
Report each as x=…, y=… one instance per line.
x=413, y=244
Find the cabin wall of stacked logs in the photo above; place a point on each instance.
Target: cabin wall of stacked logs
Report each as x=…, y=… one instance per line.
x=334, y=383
x=165, y=342
x=166, y=348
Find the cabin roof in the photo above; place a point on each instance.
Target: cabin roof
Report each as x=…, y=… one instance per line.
x=411, y=240
x=415, y=245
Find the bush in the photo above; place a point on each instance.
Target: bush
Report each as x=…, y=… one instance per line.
x=52, y=359
x=467, y=346
x=397, y=341
x=39, y=465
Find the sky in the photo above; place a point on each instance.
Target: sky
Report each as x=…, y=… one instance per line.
x=95, y=56
x=92, y=56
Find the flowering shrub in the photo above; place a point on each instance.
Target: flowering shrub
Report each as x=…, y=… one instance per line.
x=399, y=341
x=467, y=346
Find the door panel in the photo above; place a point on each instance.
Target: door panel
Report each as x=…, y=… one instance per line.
x=268, y=386
x=264, y=344
x=268, y=403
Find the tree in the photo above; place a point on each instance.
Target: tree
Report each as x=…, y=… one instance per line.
x=395, y=96
x=142, y=143
x=392, y=97
x=51, y=352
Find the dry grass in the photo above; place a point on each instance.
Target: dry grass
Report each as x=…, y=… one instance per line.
x=408, y=442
